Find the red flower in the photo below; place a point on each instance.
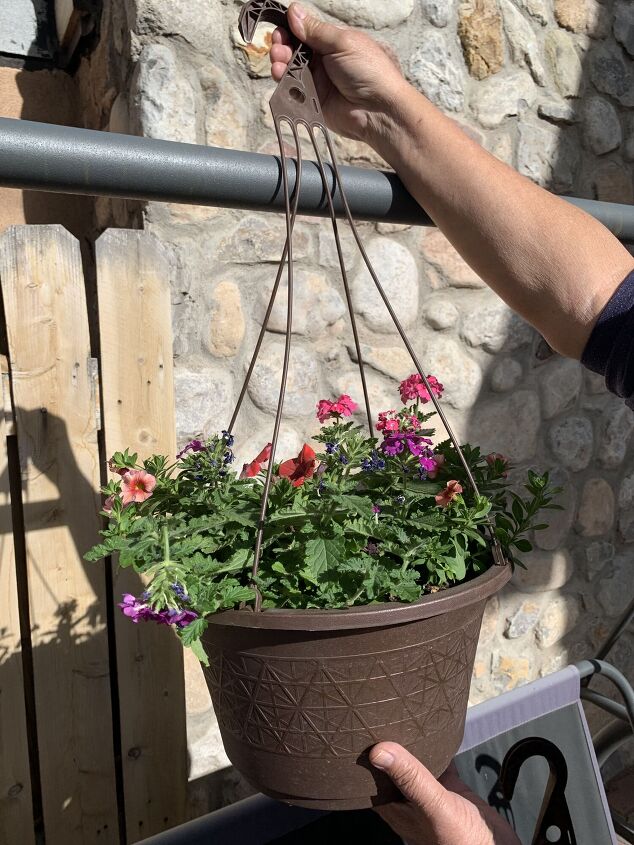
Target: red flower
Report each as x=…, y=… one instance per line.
x=453, y=489
x=298, y=469
x=255, y=467
x=496, y=457
x=341, y=407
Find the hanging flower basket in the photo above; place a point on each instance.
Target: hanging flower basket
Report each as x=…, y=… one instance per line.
x=335, y=597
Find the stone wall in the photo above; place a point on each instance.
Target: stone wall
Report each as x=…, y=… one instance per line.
x=546, y=85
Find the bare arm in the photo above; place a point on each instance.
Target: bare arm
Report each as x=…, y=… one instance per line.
x=549, y=261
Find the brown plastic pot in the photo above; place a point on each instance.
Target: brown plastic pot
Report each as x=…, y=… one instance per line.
x=302, y=695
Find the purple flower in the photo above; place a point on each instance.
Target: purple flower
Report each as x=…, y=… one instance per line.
x=428, y=464
x=371, y=548
x=375, y=461
x=228, y=438
x=331, y=448
x=179, y=592
x=376, y=509
x=137, y=610
x=192, y=446
x=393, y=445
x=343, y=459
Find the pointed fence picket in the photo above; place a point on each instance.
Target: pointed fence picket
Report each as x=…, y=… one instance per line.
x=92, y=712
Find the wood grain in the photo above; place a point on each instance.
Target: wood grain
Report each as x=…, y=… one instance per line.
x=49, y=353
x=16, y=811
x=138, y=409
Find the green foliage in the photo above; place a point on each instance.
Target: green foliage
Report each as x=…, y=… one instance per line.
x=365, y=527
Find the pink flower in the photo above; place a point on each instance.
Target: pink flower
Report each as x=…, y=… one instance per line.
x=255, y=467
x=388, y=421
x=107, y=505
x=137, y=486
x=298, y=469
x=496, y=457
x=414, y=388
x=341, y=407
x=453, y=489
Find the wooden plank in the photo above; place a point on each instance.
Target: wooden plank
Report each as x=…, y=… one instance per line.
x=16, y=811
x=49, y=353
x=138, y=409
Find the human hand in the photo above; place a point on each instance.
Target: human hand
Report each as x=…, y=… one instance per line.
x=357, y=81
x=436, y=812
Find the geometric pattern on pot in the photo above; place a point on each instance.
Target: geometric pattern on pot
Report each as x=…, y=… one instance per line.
x=338, y=706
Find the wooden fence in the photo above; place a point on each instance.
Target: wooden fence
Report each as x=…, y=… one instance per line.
x=92, y=708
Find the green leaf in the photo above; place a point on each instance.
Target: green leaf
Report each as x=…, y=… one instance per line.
x=198, y=649
x=322, y=555
x=523, y=545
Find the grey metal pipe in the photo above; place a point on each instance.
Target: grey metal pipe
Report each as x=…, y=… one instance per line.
x=40, y=156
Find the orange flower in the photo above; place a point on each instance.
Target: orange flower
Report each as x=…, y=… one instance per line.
x=453, y=489
x=298, y=469
x=137, y=486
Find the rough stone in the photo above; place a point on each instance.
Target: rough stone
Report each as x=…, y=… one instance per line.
x=624, y=25
x=626, y=508
x=480, y=32
x=301, y=387
x=611, y=74
x=392, y=361
x=255, y=240
x=628, y=146
x=255, y=55
x=617, y=587
x=558, y=619
x=617, y=425
x=490, y=620
x=396, y=269
x=368, y=13
x=559, y=111
x=441, y=314
x=379, y=393
x=559, y=522
x=509, y=426
x=581, y=16
x=525, y=47
x=601, y=126
x=571, y=440
x=560, y=383
x=437, y=12
x=501, y=146
x=316, y=305
x=120, y=115
x=437, y=250
x=226, y=330
x=596, y=511
x=226, y=118
x=197, y=22
x=536, y=9
x=436, y=71
x=597, y=555
x=521, y=333
x=510, y=672
x=328, y=256
x=501, y=96
x=506, y=375
x=547, y=156
x=204, y=400
x=486, y=326
x=456, y=370
x=523, y=619
x=613, y=183
x=564, y=62
x=163, y=96
x=544, y=571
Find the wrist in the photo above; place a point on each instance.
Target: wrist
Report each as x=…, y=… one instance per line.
x=391, y=128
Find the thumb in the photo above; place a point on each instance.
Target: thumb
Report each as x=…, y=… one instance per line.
x=414, y=781
x=324, y=37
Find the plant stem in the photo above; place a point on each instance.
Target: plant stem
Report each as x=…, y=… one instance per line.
x=166, y=545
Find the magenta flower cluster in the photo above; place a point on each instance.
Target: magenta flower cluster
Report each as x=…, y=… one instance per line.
x=138, y=611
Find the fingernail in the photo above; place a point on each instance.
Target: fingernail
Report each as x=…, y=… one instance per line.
x=300, y=11
x=382, y=760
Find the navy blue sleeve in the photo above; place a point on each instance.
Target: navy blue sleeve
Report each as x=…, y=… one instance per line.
x=610, y=349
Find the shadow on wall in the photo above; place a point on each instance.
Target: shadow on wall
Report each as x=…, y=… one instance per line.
x=545, y=411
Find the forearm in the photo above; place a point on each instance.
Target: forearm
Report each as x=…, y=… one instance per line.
x=551, y=262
